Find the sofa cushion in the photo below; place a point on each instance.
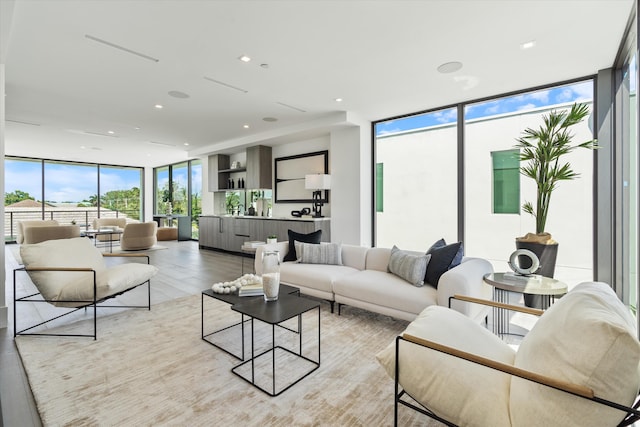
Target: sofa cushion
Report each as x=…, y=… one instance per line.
x=408, y=265
x=316, y=276
x=112, y=281
x=305, y=238
x=588, y=338
x=324, y=253
x=378, y=259
x=385, y=290
x=448, y=385
x=442, y=259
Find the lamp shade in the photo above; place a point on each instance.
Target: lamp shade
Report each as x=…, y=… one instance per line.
x=317, y=182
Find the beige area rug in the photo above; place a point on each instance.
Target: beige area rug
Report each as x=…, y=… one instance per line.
x=153, y=368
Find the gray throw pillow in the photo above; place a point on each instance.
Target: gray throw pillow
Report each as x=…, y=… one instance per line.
x=410, y=266
x=323, y=253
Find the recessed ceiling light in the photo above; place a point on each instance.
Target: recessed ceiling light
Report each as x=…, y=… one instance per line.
x=136, y=128
x=159, y=106
x=264, y=65
x=338, y=99
x=245, y=126
x=450, y=67
x=186, y=143
x=110, y=132
x=244, y=58
x=528, y=45
x=178, y=94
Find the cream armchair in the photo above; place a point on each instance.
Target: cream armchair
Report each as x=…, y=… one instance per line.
x=140, y=235
x=22, y=225
x=40, y=234
x=578, y=366
x=72, y=273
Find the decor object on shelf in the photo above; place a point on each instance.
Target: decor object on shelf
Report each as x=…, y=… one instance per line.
x=270, y=274
x=317, y=182
x=515, y=260
x=272, y=238
x=168, y=208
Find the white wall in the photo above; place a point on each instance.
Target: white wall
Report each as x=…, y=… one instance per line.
x=421, y=190
x=350, y=197
x=292, y=149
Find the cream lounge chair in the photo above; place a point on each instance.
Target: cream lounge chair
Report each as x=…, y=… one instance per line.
x=72, y=273
x=578, y=366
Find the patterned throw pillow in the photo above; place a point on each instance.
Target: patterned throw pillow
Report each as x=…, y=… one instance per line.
x=410, y=266
x=324, y=253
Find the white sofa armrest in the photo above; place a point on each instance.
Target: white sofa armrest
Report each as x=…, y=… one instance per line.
x=466, y=279
x=282, y=247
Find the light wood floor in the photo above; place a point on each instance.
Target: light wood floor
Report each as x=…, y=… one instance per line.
x=184, y=270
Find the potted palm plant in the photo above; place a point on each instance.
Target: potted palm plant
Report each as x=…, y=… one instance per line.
x=541, y=151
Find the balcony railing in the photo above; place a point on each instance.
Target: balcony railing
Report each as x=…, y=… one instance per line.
x=65, y=216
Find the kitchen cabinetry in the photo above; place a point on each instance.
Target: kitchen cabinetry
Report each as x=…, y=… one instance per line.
x=220, y=173
x=256, y=175
x=259, y=167
x=229, y=233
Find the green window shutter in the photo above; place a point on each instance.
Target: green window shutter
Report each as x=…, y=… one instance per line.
x=506, y=181
x=379, y=187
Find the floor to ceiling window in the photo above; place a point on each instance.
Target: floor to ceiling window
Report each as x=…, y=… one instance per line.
x=196, y=196
x=419, y=180
x=178, y=190
x=416, y=181
x=627, y=171
x=69, y=192
x=495, y=191
x=120, y=192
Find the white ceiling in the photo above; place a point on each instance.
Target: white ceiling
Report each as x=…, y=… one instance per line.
x=381, y=57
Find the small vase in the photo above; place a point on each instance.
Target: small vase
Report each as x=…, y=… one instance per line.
x=271, y=275
x=272, y=241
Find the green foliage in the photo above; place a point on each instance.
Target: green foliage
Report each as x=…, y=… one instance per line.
x=542, y=149
x=16, y=196
x=233, y=200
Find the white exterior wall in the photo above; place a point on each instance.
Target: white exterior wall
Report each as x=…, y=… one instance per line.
x=429, y=209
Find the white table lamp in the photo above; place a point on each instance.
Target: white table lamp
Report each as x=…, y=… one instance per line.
x=317, y=183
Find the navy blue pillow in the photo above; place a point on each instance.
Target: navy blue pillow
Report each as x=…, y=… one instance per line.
x=304, y=238
x=442, y=259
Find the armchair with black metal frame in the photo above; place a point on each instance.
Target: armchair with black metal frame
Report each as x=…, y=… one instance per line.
x=474, y=379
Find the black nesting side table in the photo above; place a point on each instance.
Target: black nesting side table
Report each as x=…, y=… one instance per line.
x=273, y=313
x=232, y=299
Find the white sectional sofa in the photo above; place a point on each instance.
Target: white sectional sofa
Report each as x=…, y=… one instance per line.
x=363, y=281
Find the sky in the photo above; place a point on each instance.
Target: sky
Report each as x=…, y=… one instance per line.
x=570, y=93
x=64, y=182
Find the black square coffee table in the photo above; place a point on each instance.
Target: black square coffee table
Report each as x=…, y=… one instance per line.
x=232, y=299
x=273, y=313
